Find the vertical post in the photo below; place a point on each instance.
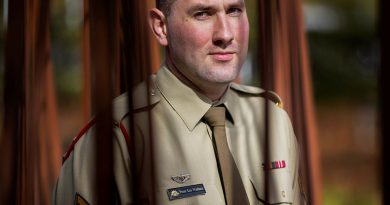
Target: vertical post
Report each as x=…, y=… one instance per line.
x=31, y=139
x=266, y=65
x=140, y=58
x=86, y=68
x=285, y=69
x=131, y=72
x=384, y=102
x=13, y=101
x=302, y=98
x=101, y=16
x=154, y=52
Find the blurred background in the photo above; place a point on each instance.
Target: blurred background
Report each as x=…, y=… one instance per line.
x=344, y=51
x=344, y=56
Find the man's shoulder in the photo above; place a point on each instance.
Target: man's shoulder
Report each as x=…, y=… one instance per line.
x=120, y=109
x=144, y=96
x=251, y=91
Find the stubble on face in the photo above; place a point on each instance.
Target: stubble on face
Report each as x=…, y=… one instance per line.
x=207, y=41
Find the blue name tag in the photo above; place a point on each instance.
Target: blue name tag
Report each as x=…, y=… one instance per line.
x=186, y=191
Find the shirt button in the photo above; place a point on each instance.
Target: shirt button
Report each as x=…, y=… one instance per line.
x=283, y=193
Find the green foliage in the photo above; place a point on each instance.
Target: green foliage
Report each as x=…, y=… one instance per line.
x=345, y=61
x=66, y=48
x=251, y=6
x=338, y=196
x=344, y=67
x=66, y=38
x=68, y=83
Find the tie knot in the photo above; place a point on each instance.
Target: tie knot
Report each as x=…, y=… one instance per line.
x=215, y=116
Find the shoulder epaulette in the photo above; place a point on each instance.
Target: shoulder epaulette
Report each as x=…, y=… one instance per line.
x=77, y=138
x=142, y=99
x=120, y=111
x=85, y=129
x=255, y=91
x=145, y=96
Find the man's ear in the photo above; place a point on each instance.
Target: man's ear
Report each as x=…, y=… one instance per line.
x=157, y=22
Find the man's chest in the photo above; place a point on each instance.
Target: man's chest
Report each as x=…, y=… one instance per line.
x=185, y=161
x=185, y=164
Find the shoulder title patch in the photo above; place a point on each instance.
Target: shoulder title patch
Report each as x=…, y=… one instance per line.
x=258, y=92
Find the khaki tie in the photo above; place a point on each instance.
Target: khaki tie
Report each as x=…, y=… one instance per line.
x=232, y=184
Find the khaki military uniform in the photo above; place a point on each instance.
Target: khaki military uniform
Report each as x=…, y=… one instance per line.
x=184, y=161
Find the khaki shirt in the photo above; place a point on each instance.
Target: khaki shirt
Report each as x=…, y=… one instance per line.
x=180, y=148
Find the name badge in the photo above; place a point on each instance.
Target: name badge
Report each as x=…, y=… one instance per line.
x=186, y=191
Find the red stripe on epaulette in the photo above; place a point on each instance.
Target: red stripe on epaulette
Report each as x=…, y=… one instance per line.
x=77, y=138
x=127, y=138
x=124, y=131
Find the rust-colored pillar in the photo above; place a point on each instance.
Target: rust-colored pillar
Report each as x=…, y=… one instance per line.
x=303, y=102
x=102, y=52
x=127, y=52
x=384, y=111
x=284, y=68
x=86, y=66
x=30, y=140
x=13, y=101
x=140, y=50
x=154, y=54
x=121, y=61
x=140, y=59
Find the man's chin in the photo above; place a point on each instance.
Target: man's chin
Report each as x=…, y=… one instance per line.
x=219, y=74
x=223, y=79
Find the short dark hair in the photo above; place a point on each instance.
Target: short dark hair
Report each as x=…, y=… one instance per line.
x=165, y=6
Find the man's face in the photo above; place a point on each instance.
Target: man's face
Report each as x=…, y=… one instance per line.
x=208, y=39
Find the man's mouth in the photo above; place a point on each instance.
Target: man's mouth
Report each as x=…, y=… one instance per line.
x=222, y=56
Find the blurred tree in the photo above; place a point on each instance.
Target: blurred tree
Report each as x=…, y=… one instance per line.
x=344, y=59
x=29, y=161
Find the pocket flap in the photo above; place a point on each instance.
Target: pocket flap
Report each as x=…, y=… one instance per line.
x=279, y=185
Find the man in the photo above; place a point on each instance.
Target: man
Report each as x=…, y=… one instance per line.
x=187, y=158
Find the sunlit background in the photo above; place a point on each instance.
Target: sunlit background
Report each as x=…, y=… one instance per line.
x=344, y=55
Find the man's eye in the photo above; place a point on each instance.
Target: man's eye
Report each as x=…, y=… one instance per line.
x=234, y=11
x=202, y=15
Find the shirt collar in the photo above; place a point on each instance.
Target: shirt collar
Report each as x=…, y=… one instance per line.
x=188, y=104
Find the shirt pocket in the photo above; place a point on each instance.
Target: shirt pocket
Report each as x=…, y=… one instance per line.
x=279, y=185
x=211, y=196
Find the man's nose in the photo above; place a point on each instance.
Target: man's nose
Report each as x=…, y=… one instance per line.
x=222, y=36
